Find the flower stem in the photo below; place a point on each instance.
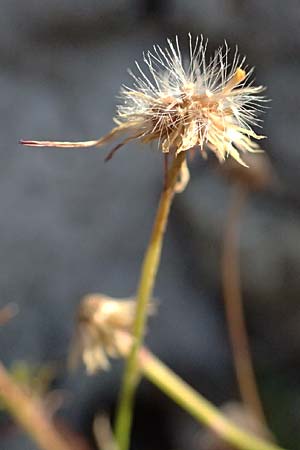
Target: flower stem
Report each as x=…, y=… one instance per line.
x=29, y=414
x=234, y=306
x=196, y=405
x=148, y=274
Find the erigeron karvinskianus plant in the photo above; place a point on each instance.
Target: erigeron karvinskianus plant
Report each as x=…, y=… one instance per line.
x=198, y=105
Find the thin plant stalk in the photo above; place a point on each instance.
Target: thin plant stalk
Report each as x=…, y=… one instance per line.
x=29, y=414
x=234, y=306
x=196, y=405
x=149, y=270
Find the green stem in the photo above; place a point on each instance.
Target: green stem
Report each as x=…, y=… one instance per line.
x=196, y=405
x=148, y=274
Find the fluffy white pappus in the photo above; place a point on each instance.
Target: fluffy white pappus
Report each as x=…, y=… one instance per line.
x=192, y=102
x=187, y=104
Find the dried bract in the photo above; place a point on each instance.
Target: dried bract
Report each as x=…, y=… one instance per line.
x=204, y=104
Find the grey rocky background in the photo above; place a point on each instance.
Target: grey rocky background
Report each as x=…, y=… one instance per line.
x=71, y=224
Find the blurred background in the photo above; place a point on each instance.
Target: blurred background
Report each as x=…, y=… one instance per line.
x=71, y=224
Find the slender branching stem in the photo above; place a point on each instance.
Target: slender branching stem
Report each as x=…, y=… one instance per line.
x=29, y=414
x=196, y=405
x=150, y=265
x=234, y=306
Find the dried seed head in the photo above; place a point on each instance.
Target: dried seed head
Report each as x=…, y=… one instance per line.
x=102, y=325
x=204, y=104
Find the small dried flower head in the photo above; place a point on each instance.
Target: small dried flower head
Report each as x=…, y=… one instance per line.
x=201, y=104
x=102, y=325
x=204, y=104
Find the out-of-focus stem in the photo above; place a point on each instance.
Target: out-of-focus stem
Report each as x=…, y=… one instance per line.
x=29, y=414
x=234, y=305
x=190, y=400
x=196, y=405
x=147, y=279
